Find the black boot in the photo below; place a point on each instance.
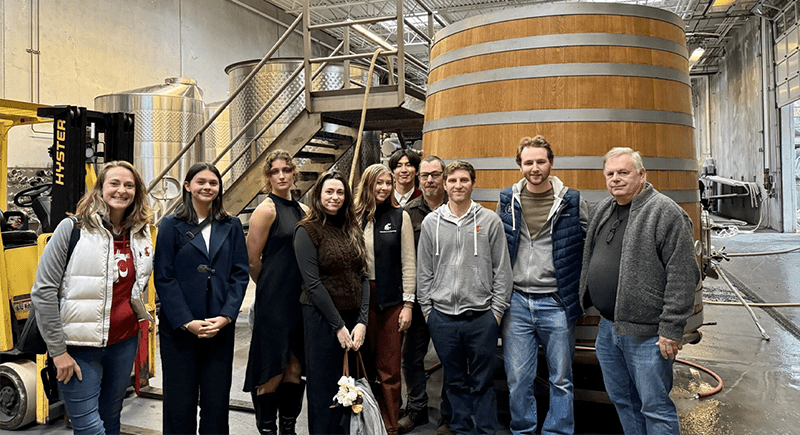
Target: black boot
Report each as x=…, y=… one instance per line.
x=266, y=407
x=291, y=402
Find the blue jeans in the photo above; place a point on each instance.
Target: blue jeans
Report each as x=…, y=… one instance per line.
x=467, y=346
x=638, y=380
x=94, y=404
x=530, y=321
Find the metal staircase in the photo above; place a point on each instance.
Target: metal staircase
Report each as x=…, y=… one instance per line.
x=322, y=133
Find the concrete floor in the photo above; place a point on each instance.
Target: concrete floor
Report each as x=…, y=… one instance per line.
x=761, y=378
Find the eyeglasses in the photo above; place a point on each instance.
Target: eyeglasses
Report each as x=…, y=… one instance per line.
x=425, y=175
x=614, y=227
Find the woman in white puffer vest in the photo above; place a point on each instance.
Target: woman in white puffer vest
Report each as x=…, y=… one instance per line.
x=88, y=304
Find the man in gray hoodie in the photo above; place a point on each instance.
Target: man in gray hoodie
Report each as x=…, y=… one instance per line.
x=464, y=284
x=640, y=272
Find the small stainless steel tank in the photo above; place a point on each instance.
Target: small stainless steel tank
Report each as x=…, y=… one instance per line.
x=264, y=86
x=218, y=134
x=166, y=117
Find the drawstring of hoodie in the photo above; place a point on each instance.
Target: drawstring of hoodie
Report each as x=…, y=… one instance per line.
x=513, y=215
x=475, y=232
x=438, y=217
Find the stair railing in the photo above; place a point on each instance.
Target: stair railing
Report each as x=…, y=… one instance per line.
x=197, y=140
x=249, y=146
x=355, y=25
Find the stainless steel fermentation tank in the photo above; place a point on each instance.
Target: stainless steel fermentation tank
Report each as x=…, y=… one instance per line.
x=166, y=118
x=264, y=86
x=218, y=134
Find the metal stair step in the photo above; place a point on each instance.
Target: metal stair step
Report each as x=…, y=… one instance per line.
x=330, y=136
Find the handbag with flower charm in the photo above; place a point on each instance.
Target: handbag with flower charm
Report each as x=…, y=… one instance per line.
x=356, y=394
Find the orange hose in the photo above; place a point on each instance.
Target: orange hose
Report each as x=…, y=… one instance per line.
x=716, y=389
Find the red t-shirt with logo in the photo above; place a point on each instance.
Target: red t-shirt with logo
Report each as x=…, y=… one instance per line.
x=124, y=323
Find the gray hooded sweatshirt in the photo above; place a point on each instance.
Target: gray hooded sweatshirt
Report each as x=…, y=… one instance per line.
x=463, y=263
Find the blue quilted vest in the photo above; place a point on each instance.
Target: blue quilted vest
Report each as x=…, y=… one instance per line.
x=568, y=238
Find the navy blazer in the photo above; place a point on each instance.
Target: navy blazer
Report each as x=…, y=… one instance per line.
x=182, y=288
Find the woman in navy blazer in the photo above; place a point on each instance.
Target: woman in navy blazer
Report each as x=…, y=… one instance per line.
x=201, y=273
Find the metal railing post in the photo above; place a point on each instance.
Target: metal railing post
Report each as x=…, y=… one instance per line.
x=346, y=41
x=307, y=54
x=401, y=55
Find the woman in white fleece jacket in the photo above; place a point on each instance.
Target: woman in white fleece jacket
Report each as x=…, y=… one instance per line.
x=88, y=306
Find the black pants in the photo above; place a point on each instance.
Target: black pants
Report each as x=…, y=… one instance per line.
x=195, y=367
x=415, y=347
x=324, y=357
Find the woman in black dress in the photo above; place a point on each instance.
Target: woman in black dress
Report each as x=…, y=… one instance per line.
x=276, y=348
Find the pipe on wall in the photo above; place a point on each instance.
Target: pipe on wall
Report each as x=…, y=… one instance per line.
x=33, y=50
x=765, y=67
x=708, y=116
x=35, y=54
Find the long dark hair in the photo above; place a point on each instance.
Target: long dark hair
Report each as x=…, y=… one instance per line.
x=347, y=213
x=185, y=209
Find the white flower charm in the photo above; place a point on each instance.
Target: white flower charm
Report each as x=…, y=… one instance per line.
x=348, y=395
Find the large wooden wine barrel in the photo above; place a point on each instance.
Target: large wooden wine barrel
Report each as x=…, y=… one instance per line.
x=586, y=76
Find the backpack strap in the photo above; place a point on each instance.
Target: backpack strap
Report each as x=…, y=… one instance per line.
x=194, y=232
x=74, y=236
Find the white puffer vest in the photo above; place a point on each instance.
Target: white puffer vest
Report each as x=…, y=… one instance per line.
x=86, y=293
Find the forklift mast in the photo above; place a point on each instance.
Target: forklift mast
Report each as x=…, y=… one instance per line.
x=77, y=136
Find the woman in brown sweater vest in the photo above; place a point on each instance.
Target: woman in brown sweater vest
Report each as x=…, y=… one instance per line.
x=329, y=246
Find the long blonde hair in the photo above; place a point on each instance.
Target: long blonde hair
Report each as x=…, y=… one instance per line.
x=137, y=214
x=365, y=192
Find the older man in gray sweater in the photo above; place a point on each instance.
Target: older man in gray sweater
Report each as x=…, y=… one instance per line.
x=640, y=272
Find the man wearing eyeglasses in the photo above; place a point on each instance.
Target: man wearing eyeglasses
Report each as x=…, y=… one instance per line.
x=415, y=345
x=545, y=225
x=640, y=272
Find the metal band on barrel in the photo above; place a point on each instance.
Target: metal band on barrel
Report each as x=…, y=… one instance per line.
x=594, y=196
x=561, y=70
x=581, y=163
x=560, y=115
x=565, y=40
x=559, y=9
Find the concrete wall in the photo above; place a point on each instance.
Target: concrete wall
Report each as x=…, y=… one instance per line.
x=96, y=47
x=736, y=122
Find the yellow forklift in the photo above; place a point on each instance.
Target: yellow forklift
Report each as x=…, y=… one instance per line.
x=81, y=139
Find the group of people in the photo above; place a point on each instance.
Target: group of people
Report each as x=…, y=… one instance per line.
x=406, y=258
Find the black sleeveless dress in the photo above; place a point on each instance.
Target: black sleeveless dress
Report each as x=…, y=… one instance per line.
x=278, y=325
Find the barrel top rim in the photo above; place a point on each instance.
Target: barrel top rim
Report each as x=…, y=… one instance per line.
x=558, y=9
x=252, y=62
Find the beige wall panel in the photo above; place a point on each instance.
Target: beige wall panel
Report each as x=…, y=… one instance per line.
x=97, y=47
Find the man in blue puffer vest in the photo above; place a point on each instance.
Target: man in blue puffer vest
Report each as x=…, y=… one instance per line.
x=545, y=224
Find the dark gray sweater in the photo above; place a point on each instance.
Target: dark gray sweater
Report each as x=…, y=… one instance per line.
x=658, y=271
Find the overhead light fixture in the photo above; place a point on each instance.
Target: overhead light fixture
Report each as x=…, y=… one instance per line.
x=697, y=54
x=722, y=3
x=372, y=36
